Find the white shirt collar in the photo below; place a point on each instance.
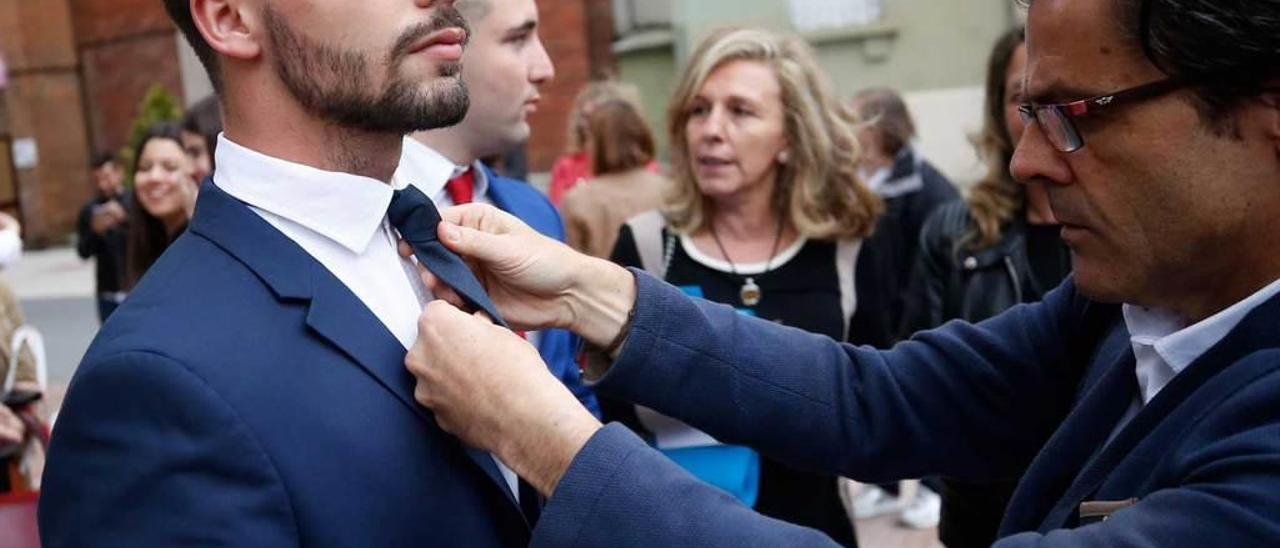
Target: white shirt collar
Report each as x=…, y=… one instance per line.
x=342, y=207
x=1171, y=345
x=430, y=170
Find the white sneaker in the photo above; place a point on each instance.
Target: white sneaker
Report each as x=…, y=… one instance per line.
x=873, y=501
x=924, y=511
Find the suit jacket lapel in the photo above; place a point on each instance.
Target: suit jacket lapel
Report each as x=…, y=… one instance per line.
x=334, y=313
x=337, y=315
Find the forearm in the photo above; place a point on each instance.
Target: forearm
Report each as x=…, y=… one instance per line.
x=810, y=402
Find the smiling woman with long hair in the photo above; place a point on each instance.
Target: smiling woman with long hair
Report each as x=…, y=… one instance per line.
x=164, y=197
x=767, y=215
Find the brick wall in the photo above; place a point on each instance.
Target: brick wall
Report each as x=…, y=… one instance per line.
x=44, y=103
x=125, y=47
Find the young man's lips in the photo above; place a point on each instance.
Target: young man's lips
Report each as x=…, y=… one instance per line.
x=445, y=45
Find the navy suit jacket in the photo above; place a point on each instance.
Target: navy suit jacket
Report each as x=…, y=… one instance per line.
x=243, y=396
x=558, y=347
x=1199, y=465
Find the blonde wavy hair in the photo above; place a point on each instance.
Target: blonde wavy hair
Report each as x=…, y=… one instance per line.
x=818, y=190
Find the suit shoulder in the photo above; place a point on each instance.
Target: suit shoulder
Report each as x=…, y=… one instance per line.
x=527, y=203
x=512, y=188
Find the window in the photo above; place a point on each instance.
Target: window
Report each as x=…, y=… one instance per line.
x=633, y=15
x=809, y=15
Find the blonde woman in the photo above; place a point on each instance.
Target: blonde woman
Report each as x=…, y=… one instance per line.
x=767, y=215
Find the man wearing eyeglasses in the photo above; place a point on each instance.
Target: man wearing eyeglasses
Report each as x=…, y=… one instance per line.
x=1144, y=393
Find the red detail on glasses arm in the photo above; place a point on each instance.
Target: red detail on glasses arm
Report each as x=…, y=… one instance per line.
x=1077, y=108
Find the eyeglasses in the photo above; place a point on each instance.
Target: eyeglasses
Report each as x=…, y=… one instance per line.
x=1057, y=120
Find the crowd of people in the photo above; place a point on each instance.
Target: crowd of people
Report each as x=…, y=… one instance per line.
x=313, y=306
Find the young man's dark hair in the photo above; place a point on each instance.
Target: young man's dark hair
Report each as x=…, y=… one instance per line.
x=180, y=12
x=102, y=158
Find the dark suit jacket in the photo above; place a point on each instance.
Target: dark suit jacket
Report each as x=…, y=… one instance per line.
x=243, y=396
x=558, y=347
x=1200, y=464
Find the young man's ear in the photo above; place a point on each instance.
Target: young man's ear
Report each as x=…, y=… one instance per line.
x=228, y=26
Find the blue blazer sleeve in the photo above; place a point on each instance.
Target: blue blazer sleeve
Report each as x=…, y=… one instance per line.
x=139, y=418
x=619, y=492
x=978, y=393
x=982, y=398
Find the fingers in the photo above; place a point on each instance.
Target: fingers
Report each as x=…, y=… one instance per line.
x=478, y=245
x=432, y=283
x=484, y=218
x=442, y=291
x=474, y=215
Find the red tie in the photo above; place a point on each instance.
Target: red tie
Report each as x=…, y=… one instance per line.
x=462, y=188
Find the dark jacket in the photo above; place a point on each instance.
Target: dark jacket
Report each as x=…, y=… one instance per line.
x=913, y=191
x=108, y=249
x=1046, y=383
x=952, y=281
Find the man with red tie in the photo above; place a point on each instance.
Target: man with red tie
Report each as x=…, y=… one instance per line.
x=504, y=64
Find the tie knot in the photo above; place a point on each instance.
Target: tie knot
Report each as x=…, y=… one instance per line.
x=413, y=214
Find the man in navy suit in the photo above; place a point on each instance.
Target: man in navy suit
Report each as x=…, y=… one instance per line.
x=251, y=390
x=1142, y=393
x=503, y=67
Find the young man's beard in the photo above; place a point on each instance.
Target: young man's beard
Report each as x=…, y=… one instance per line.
x=333, y=84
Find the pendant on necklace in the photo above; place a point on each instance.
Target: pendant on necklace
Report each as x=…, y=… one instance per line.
x=750, y=292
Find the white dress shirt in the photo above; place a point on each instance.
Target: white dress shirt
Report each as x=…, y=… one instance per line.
x=339, y=219
x=1164, y=344
x=419, y=162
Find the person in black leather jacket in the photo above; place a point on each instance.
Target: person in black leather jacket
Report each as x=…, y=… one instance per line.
x=981, y=256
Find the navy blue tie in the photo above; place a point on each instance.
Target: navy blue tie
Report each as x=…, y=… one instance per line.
x=416, y=218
